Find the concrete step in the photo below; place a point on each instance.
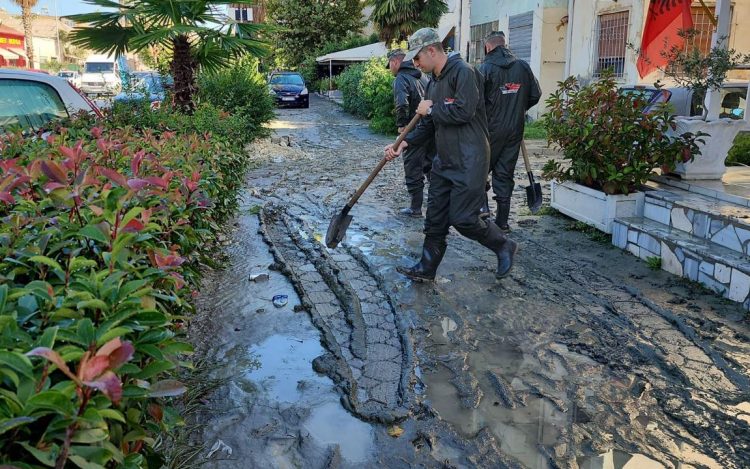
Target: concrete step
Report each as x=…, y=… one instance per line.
x=723, y=270
x=723, y=223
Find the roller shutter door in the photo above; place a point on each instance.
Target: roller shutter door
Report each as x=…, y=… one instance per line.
x=519, y=32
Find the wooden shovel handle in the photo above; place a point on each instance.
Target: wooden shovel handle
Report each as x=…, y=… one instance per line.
x=409, y=127
x=525, y=154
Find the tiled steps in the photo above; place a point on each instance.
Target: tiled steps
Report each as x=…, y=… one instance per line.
x=696, y=236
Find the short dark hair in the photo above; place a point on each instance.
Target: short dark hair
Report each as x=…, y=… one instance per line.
x=495, y=41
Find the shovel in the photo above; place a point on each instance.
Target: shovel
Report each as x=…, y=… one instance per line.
x=534, y=189
x=341, y=221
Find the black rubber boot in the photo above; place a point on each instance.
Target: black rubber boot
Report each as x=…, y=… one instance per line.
x=503, y=247
x=503, y=212
x=433, y=251
x=484, y=212
x=415, y=210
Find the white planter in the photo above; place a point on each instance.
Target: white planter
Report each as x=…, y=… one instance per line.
x=594, y=207
x=710, y=163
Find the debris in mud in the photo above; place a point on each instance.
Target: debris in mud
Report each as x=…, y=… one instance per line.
x=219, y=446
x=395, y=431
x=262, y=277
x=280, y=300
x=502, y=389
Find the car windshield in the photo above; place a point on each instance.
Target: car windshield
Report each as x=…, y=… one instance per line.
x=287, y=80
x=645, y=94
x=99, y=67
x=150, y=83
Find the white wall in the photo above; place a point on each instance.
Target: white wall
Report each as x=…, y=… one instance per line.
x=584, y=35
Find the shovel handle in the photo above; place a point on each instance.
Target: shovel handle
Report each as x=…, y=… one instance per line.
x=409, y=127
x=525, y=154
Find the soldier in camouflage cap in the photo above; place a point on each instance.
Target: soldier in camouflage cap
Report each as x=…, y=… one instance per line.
x=453, y=117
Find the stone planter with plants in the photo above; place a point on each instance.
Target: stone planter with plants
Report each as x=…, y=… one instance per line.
x=610, y=148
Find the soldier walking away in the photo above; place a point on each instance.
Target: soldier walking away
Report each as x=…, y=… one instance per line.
x=408, y=92
x=510, y=89
x=454, y=119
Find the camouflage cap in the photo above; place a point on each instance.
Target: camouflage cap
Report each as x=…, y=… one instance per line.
x=420, y=39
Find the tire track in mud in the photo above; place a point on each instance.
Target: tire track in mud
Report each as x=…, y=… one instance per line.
x=692, y=384
x=370, y=356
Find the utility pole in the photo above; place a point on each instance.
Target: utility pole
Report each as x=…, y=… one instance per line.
x=60, y=51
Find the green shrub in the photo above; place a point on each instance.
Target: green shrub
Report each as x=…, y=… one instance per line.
x=607, y=141
x=535, y=131
x=309, y=67
x=367, y=90
x=242, y=92
x=740, y=152
x=348, y=82
x=105, y=224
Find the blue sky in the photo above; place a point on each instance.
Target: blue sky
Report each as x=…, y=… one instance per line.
x=64, y=7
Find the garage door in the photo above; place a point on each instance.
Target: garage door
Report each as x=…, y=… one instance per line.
x=519, y=31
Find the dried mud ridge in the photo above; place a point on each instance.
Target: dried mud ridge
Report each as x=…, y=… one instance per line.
x=370, y=356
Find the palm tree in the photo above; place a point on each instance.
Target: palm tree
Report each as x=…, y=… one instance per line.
x=396, y=19
x=26, y=6
x=196, y=32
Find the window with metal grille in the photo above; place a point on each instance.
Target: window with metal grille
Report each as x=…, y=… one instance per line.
x=478, y=33
x=704, y=30
x=612, y=43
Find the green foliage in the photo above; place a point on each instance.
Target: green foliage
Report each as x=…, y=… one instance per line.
x=653, y=262
x=397, y=19
x=697, y=70
x=535, y=131
x=242, y=91
x=367, y=91
x=195, y=33
x=740, y=152
x=349, y=82
x=105, y=225
x=608, y=142
x=303, y=27
x=309, y=66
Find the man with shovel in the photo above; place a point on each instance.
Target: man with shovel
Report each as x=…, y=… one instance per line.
x=510, y=89
x=454, y=119
x=408, y=91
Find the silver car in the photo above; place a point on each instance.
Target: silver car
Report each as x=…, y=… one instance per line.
x=32, y=100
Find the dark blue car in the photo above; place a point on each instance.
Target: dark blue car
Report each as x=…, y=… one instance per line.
x=289, y=89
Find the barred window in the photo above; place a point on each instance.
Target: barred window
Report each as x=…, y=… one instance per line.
x=478, y=33
x=704, y=30
x=612, y=43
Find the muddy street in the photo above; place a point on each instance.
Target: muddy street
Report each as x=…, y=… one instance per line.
x=582, y=358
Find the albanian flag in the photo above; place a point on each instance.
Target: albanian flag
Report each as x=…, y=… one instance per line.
x=666, y=18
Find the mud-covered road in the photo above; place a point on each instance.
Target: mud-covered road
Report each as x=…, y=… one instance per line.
x=582, y=358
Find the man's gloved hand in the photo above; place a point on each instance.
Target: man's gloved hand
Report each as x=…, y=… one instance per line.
x=390, y=154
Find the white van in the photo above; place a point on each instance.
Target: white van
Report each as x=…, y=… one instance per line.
x=101, y=76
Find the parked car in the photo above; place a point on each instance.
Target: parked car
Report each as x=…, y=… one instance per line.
x=651, y=95
x=289, y=88
x=687, y=102
x=101, y=76
x=72, y=76
x=32, y=100
x=145, y=86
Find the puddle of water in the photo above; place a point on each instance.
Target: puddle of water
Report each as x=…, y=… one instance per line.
x=284, y=363
x=615, y=459
x=330, y=424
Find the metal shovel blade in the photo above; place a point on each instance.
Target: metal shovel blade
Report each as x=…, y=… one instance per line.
x=534, y=197
x=337, y=229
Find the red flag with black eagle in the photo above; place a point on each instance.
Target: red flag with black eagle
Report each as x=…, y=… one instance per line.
x=665, y=19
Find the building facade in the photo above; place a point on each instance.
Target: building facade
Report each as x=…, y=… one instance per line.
x=536, y=31
x=561, y=38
